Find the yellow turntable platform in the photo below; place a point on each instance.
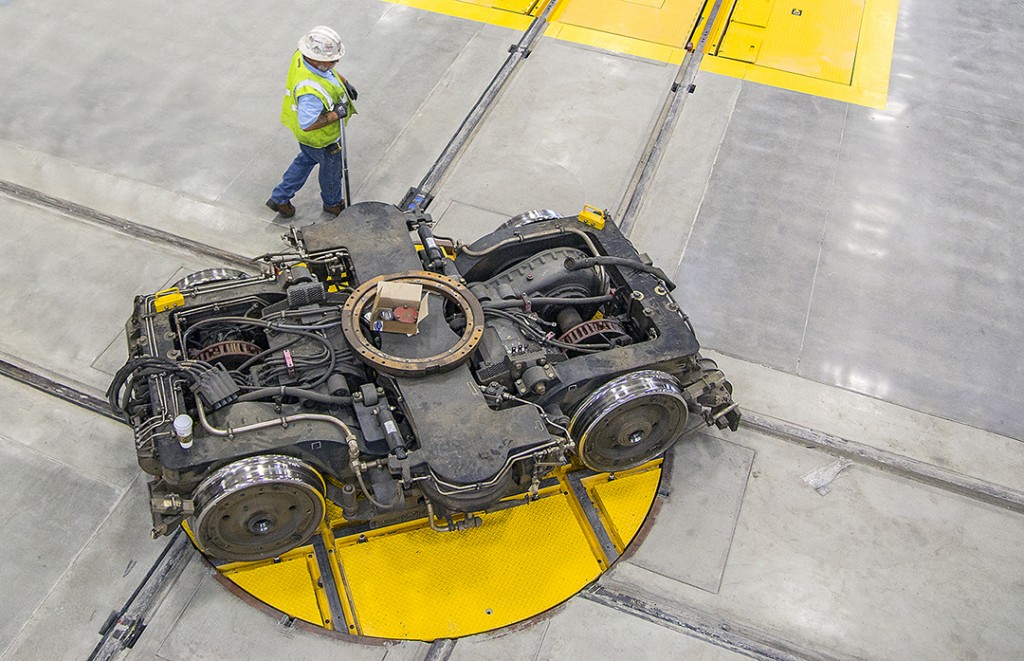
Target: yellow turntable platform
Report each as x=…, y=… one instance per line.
x=409, y=581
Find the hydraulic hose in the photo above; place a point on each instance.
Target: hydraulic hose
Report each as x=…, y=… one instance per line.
x=589, y=262
x=522, y=302
x=298, y=393
x=520, y=238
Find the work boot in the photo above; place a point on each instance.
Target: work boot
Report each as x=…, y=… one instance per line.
x=334, y=209
x=284, y=208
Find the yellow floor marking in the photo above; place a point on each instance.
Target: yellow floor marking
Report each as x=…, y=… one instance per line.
x=819, y=39
x=483, y=13
x=637, y=25
x=838, y=49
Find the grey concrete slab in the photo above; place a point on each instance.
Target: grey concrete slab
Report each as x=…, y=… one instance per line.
x=208, y=99
x=585, y=630
x=746, y=276
x=466, y=222
x=935, y=60
x=49, y=513
x=92, y=445
x=693, y=531
x=102, y=576
x=868, y=420
x=916, y=299
x=880, y=568
x=76, y=285
x=387, y=175
x=517, y=643
x=666, y=217
x=217, y=625
x=568, y=130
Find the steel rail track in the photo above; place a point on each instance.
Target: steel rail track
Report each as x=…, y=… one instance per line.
x=421, y=196
x=123, y=225
x=682, y=87
x=123, y=627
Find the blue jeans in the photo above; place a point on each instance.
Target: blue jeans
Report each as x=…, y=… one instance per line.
x=295, y=176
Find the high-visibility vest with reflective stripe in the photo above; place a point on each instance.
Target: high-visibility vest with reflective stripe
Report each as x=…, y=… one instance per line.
x=301, y=81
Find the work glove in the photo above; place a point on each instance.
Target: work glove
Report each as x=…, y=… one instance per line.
x=341, y=109
x=351, y=91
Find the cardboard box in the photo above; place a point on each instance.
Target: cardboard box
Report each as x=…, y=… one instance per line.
x=398, y=307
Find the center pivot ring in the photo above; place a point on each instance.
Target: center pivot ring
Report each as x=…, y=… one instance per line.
x=448, y=288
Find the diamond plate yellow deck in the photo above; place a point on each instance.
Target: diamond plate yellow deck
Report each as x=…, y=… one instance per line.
x=411, y=582
x=617, y=499
x=290, y=585
x=424, y=585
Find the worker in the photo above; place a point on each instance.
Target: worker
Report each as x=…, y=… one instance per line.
x=317, y=99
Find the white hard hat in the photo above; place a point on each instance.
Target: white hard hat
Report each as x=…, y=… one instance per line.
x=322, y=44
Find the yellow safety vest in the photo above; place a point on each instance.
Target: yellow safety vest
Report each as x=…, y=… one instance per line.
x=302, y=81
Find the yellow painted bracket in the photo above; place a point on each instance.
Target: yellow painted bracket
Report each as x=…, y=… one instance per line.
x=167, y=299
x=592, y=216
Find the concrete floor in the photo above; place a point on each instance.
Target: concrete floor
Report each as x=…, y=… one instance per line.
x=855, y=271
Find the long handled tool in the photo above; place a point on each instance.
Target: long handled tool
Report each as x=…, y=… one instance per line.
x=346, y=200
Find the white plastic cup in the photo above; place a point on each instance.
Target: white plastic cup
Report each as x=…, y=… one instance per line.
x=183, y=430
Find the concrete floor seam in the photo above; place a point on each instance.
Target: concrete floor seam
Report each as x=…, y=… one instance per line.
x=739, y=513
x=120, y=225
x=259, y=152
x=543, y=639
x=821, y=241
x=70, y=564
x=76, y=469
x=184, y=606
x=707, y=183
x=381, y=159
x=742, y=638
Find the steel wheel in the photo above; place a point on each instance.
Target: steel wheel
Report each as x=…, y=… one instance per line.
x=629, y=421
x=257, y=508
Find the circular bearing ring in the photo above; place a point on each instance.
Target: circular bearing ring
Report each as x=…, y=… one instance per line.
x=433, y=283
